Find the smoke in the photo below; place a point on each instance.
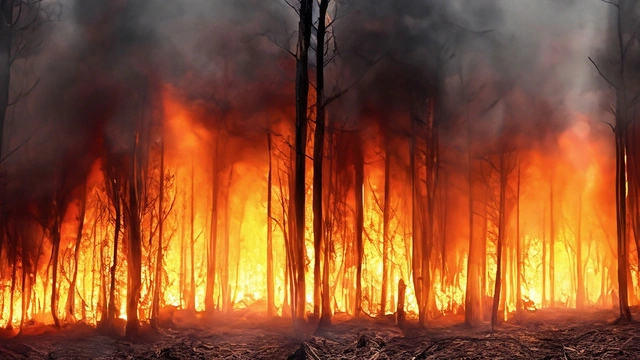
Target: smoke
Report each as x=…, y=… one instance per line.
x=520, y=67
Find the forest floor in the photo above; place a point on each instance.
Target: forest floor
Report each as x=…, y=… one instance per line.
x=544, y=334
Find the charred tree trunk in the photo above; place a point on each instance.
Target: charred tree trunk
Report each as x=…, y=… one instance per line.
x=552, y=248
x=327, y=292
x=499, y=247
x=621, y=212
x=271, y=305
x=225, y=251
x=209, y=303
x=13, y=252
x=55, y=250
x=111, y=307
x=359, y=184
x=302, y=93
x=157, y=290
x=519, y=264
x=71, y=300
x=318, y=156
x=475, y=270
x=622, y=120
x=134, y=258
x=544, y=257
x=431, y=169
x=400, y=315
x=580, y=292
x=191, y=302
x=417, y=254
x=385, y=231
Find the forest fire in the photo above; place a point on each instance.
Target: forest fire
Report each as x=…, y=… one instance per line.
x=422, y=170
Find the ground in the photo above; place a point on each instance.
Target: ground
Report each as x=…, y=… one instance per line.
x=543, y=334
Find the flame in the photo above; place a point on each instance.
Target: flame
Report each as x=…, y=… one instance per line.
x=242, y=230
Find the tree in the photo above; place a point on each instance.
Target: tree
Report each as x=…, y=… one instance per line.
x=301, y=96
x=318, y=155
x=623, y=79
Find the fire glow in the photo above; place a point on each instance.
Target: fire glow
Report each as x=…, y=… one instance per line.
x=182, y=195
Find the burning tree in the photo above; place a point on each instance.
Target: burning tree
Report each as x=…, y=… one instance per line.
x=415, y=118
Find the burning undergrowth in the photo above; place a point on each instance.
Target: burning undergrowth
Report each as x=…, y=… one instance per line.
x=465, y=145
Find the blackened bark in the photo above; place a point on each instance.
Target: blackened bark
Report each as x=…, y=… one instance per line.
x=72, y=288
x=302, y=93
x=359, y=184
x=271, y=305
x=157, y=290
x=318, y=156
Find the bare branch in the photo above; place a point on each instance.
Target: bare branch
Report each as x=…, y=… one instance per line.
x=600, y=72
x=610, y=2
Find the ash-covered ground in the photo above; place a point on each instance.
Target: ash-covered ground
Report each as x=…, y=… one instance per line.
x=543, y=334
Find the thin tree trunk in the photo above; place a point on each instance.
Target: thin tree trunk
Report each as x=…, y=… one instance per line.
x=327, y=293
x=499, y=247
x=318, y=155
x=417, y=254
x=359, y=184
x=134, y=258
x=519, y=263
x=580, y=296
x=157, y=290
x=71, y=301
x=212, y=248
x=544, y=257
x=400, y=314
x=271, y=305
x=55, y=251
x=111, y=308
x=474, y=292
x=625, y=312
x=13, y=283
x=191, y=303
x=302, y=93
x=224, y=276
x=385, y=231
x=552, y=248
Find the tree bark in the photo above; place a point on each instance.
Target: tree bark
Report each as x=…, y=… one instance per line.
x=359, y=184
x=385, y=231
x=400, y=314
x=271, y=305
x=552, y=248
x=72, y=288
x=111, y=307
x=499, y=247
x=580, y=296
x=209, y=304
x=519, y=263
x=134, y=258
x=191, y=302
x=318, y=156
x=55, y=250
x=157, y=290
x=302, y=93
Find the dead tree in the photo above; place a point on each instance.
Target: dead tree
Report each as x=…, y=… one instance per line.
x=623, y=79
x=271, y=305
x=504, y=169
x=157, y=283
x=301, y=96
x=72, y=287
x=359, y=245
x=213, y=227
